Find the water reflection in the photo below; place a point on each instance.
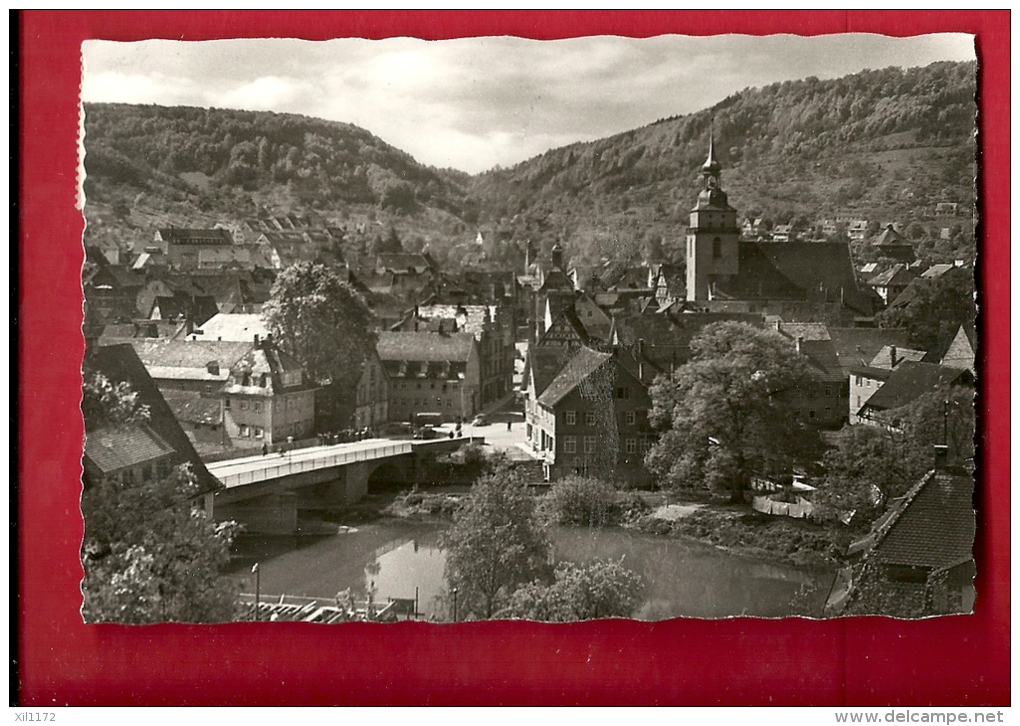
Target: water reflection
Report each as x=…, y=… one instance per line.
x=681, y=578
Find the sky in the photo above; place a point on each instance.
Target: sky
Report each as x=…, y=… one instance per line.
x=475, y=103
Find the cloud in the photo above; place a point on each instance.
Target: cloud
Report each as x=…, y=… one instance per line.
x=472, y=103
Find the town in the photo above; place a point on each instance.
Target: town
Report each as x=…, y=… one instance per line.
x=796, y=400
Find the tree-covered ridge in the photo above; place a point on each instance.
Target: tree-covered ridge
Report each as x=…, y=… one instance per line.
x=886, y=143
x=323, y=161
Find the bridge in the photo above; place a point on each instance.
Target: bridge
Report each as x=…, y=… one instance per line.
x=265, y=493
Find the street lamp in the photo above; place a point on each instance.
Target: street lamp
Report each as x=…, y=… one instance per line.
x=255, y=571
x=454, y=604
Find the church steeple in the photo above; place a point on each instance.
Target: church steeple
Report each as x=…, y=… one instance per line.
x=711, y=167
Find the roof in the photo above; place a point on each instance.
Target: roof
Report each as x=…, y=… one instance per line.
x=240, y=327
x=890, y=236
x=425, y=346
x=961, y=351
x=884, y=358
x=931, y=526
x=184, y=235
x=909, y=381
x=120, y=363
x=545, y=363
x=117, y=448
x=188, y=355
x=584, y=362
x=898, y=274
x=859, y=346
x=471, y=318
x=193, y=407
x=260, y=372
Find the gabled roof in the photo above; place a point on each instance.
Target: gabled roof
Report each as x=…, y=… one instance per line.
x=183, y=235
x=240, y=327
x=897, y=274
x=891, y=356
x=545, y=363
x=931, y=526
x=962, y=350
x=890, y=236
x=557, y=280
x=912, y=379
x=425, y=346
x=260, y=372
x=189, y=354
x=192, y=407
x=120, y=363
x=115, y=448
x=583, y=363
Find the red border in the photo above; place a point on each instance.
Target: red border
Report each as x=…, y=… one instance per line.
x=955, y=661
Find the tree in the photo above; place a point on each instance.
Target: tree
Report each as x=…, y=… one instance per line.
x=496, y=543
x=727, y=412
x=599, y=590
x=943, y=416
x=867, y=467
x=324, y=323
x=152, y=555
x=936, y=309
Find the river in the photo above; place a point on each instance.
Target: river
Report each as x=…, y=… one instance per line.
x=683, y=578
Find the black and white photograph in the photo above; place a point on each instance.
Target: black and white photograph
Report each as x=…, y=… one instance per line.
x=507, y=329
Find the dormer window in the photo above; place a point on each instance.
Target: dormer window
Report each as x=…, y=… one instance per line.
x=213, y=367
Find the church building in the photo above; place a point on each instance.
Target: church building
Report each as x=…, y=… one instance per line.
x=798, y=280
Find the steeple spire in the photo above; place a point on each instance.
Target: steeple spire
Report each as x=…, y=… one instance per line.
x=711, y=167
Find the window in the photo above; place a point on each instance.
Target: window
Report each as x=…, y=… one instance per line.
x=631, y=418
x=589, y=444
x=226, y=403
x=258, y=432
x=244, y=405
x=622, y=392
x=589, y=418
x=570, y=444
x=257, y=406
x=449, y=403
x=417, y=386
x=244, y=431
x=858, y=381
x=644, y=446
x=631, y=446
x=570, y=418
x=717, y=248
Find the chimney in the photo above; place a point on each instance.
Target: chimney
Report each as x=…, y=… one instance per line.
x=892, y=356
x=557, y=257
x=941, y=457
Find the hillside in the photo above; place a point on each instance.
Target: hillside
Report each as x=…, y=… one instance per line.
x=884, y=145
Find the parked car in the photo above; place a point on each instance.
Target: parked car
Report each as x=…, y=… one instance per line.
x=426, y=432
x=480, y=420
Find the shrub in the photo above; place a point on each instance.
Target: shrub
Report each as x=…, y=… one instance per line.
x=584, y=501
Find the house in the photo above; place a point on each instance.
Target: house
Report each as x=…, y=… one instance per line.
x=200, y=366
x=782, y=233
x=946, y=209
x=890, y=243
x=866, y=379
x=727, y=273
x=961, y=351
x=266, y=399
x=822, y=400
x=371, y=403
x=238, y=327
x=918, y=558
x=182, y=246
x=136, y=453
x=857, y=230
x=906, y=383
x=492, y=328
x=431, y=372
x=669, y=284
x=201, y=418
x=890, y=283
x=591, y=419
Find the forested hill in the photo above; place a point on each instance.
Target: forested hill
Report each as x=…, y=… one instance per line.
x=884, y=145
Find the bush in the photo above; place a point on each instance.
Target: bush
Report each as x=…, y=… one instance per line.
x=599, y=590
x=584, y=501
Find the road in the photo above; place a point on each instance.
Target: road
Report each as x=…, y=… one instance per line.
x=233, y=471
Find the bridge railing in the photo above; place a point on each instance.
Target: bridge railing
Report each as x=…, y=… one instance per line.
x=288, y=466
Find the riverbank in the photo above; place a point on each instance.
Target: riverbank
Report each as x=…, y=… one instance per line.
x=743, y=531
x=733, y=528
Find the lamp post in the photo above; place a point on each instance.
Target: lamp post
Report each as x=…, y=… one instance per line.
x=454, y=604
x=255, y=570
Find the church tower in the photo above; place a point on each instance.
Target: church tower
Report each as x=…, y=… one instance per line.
x=712, y=235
